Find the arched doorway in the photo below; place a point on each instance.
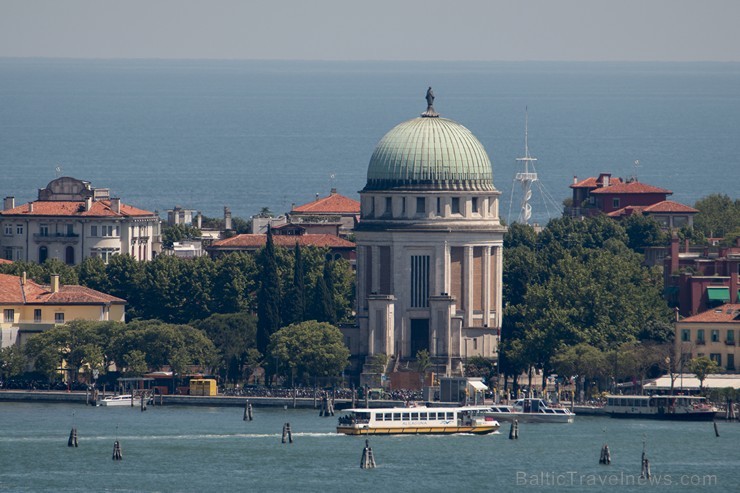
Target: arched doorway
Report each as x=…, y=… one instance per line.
x=69, y=255
x=43, y=254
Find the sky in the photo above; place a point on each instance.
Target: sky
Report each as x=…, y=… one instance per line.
x=475, y=30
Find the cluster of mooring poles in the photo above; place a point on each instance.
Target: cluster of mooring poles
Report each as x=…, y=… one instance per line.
x=247, y=411
x=514, y=430
x=287, y=434
x=327, y=406
x=368, y=459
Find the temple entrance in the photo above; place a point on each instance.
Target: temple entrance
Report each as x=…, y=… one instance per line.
x=419, y=335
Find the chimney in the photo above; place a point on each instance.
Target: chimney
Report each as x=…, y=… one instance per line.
x=30, y=207
x=8, y=203
x=23, y=278
x=575, y=180
x=674, y=254
x=199, y=220
x=227, y=218
x=55, y=283
x=88, y=203
x=333, y=191
x=115, y=204
x=675, y=314
x=317, y=196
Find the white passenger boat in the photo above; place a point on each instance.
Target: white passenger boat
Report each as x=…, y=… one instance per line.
x=669, y=407
x=120, y=400
x=531, y=410
x=417, y=420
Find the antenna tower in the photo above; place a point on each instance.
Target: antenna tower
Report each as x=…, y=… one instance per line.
x=526, y=177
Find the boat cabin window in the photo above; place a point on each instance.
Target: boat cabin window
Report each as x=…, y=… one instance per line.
x=422, y=415
x=415, y=416
x=396, y=416
x=406, y=416
x=379, y=417
x=450, y=416
x=388, y=416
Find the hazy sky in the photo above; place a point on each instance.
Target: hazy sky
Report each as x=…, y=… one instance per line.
x=665, y=30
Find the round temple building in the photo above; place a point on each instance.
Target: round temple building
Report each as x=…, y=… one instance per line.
x=429, y=246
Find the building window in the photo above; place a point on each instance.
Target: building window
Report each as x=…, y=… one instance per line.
x=716, y=357
x=37, y=315
x=43, y=254
x=420, y=281
x=70, y=230
x=108, y=231
x=19, y=229
x=731, y=361
x=615, y=203
x=421, y=205
x=700, y=336
x=8, y=253
x=8, y=230
x=680, y=221
x=388, y=207
x=731, y=337
x=715, y=336
x=686, y=335
x=439, y=206
x=474, y=205
x=9, y=316
x=44, y=230
x=59, y=318
x=105, y=253
x=19, y=253
x=455, y=205
x=475, y=344
x=403, y=206
x=93, y=230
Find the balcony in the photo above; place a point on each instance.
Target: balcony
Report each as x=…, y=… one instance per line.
x=701, y=342
x=56, y=237
x=729, y=343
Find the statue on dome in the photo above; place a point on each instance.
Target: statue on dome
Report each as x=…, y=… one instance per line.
x=430, y=102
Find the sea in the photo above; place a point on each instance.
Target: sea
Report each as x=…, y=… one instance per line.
x=211, y=449
x=206, y=134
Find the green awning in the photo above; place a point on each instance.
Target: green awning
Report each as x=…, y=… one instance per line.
x=719, y=294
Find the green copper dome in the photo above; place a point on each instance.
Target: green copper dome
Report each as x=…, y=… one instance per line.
x=429, y=153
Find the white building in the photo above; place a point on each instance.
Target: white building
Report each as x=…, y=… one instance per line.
x=71, y=221
x=429, y=246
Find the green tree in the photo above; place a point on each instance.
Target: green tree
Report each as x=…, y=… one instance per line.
x=233, y=336
x=12, y=362
x=718, y=215
x=126, y=277
x=310, y=349
x=643, y=231
x=135, y=363
x=268, y=296
x=323, y=308
x=234, y=283
x=702, y=367
x=91, y=273
x=295, y=305
x=177, y=233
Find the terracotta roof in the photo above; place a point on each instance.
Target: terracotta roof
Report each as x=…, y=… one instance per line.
x=333, y=204
x=5, y=261
x=13, y=292
x=592, y=182
x=288, y=241
x=665, y=206
x=670, y=206
x=631, y=187
x=725, y=313
x=100, y=208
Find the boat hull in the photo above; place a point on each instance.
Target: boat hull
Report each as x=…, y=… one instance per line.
x=533, y=418
x=697, y=416
x=119, y=402
x=442, y=430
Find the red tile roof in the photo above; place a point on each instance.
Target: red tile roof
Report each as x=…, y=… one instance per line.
x=100, y=208
x=333, y=204
x=725, y=313
x=592, y=182
x=670, y=206
x=13, y=292
x=5, y=261
x=631, y=187
x=258, y=241
x=665, y=207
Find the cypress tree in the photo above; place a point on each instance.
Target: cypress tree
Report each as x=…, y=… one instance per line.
x=268, y=296
x=323, y=302
x=295, y=302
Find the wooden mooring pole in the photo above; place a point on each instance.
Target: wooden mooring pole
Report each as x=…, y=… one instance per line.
x=287, y=434
x=368, y=459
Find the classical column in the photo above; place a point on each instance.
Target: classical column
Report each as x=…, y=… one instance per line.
x=468, y=287
x=487, y=286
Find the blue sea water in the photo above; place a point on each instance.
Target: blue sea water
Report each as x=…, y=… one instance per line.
x=253, y=134
x=196, y=449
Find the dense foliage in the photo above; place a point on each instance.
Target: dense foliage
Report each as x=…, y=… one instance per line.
x=576, y=284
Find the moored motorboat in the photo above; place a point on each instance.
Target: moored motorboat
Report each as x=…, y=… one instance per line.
x=120, y=400
x=417, y=420
x=669, y=407
x=530, y=410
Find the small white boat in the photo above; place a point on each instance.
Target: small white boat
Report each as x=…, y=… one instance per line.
x=120, y=400
x=531, y=410
x=416, y=421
